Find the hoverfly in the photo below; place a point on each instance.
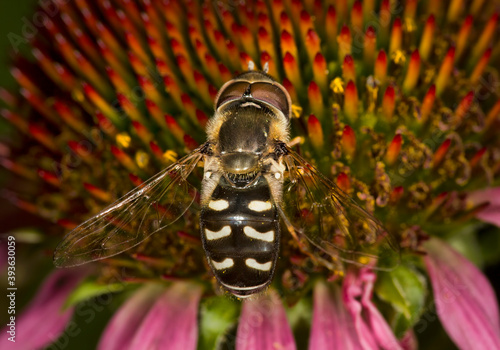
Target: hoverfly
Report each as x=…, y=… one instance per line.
x=251, y=180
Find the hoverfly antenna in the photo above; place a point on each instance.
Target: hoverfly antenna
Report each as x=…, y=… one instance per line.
x=251, y=65
x=266, y=67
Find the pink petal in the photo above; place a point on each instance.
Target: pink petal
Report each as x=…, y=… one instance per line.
x=43, y=320
x=380, y=329
x=120, y=330
x=491, y=213
x=332, y=325
x=263, y=325
x=465, y=301
x=373, y=330
x=491, y=195
x=171, y=323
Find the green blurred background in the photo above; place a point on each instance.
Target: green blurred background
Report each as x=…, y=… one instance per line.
x=11, y=14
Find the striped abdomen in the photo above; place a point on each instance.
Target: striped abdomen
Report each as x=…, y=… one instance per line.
x=240, y=234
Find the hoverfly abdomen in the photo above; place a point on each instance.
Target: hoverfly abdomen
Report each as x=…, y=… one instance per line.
x=240, y=234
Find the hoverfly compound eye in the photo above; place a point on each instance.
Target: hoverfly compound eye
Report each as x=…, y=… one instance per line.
x=230, y=91
x=273, y=94
x=257, y=86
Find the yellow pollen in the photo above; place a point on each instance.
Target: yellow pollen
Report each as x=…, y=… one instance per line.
x=142, y=159
x=123, y=140
x=363, y=260
x=338, y=273
x=399, y=57
x=296, y=111
x=170, y=155
x=373, y=91
x=337, y=85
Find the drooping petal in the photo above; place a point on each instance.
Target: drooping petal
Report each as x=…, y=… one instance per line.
x=332, y=325
x=465, y=301
x=372, y=328
x=121, y=329
x=44, y=319
x=491, y=213
x=381, y=331
x=263, y=324
x=171, y=322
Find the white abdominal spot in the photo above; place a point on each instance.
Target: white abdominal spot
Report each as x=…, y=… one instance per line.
x=219, y=204
x=224, y=264
x=259, y=206
x=263, y=236
x=258, y=266
x=223, y=232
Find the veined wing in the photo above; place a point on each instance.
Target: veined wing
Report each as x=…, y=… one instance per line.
x=317, y=209
x=147, y=209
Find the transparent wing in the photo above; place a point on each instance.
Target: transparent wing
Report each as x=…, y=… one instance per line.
x=316, y=209
x=149, y=208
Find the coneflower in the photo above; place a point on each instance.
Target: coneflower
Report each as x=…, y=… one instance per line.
x=396, y=102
